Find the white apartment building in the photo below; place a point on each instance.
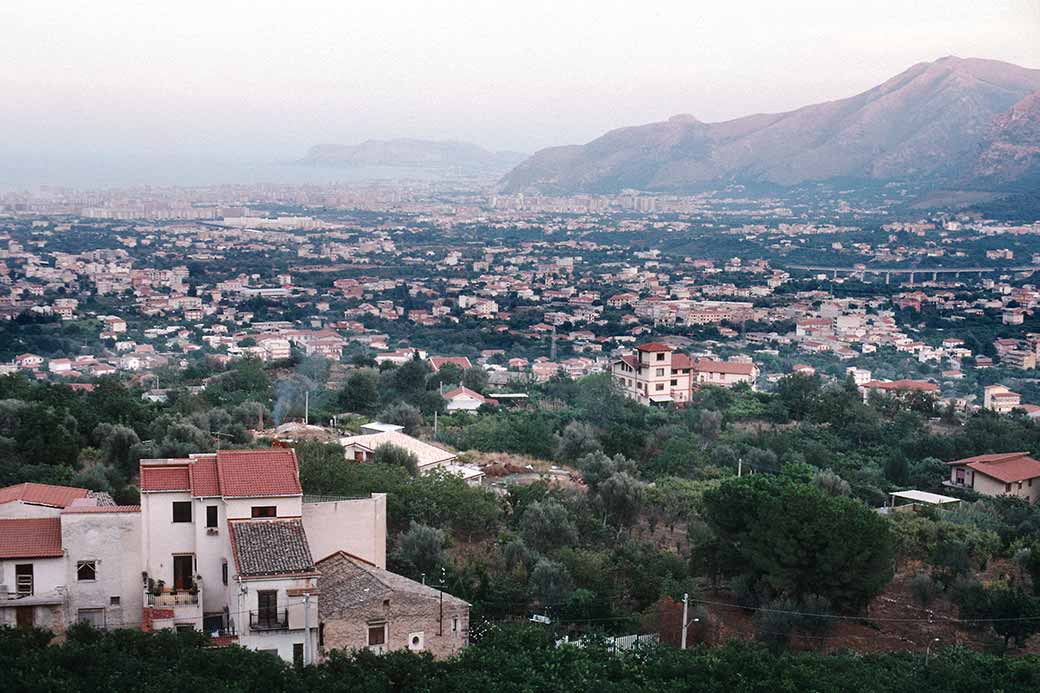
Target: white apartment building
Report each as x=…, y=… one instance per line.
x=222, y=543
x=655, y=374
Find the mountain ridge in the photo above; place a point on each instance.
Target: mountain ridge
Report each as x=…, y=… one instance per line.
x=921, y=123
x=412, y=152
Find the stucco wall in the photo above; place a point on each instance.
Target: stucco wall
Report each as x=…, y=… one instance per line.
x=113, y=541
x=17, y=509
x=356, y=526
x=48, y=574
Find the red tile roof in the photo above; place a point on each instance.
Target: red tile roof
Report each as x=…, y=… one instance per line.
x=681, y=361
x=38, y=537
x=42, y=494
x=205, y=482
x=1003, y=466
x=654, y=346
x=919, y=385
x=249, y=473
x=165, y=478
x=438, y=362
x=731, y=367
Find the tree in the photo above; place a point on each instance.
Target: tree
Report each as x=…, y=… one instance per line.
x=622, y=498
x=475, y=379
x=360, y=392
x=390, y=454
x=1014, y=614
x=117, y=446
x=799, y=540
x=403, y=414
x=550, y=582
x=422, y=548
x=597, y=467
x=546, y=525
x=798, y=393
x=577, y=440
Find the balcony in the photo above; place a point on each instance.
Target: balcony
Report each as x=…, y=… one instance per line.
x=173, y=598
x=269, y=620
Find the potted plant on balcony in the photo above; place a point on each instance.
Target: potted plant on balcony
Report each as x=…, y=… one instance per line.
x=159, y=587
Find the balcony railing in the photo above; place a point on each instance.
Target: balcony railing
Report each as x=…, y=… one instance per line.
x=269, y=620
x=176, y=598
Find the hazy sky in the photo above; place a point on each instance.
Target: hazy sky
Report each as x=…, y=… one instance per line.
x=261, y=79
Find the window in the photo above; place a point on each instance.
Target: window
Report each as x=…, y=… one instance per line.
x=182, y=511
x=660, y=356
x=264, y=511
x=212, y=623
x=1007, y=488
x=267, y=608
x=86, y=571
x=223, y=572
x=321, y=635
x=660, y=372
x=23, y=579
x=659, y=387
x=297, y=654
x=211, y=516
x=454, y=624
x=377, y=634
x=674, y=383
x=113, y=601
x=184, y=627
x=93, y=617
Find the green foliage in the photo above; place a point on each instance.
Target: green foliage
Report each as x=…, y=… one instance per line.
x=577, y=440
x=403, y=414
x=420, y=549
x=394, y=455
x=799, y=540
x=360, y=392
x=547, y=525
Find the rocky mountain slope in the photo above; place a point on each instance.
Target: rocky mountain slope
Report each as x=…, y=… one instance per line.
x=923, y=123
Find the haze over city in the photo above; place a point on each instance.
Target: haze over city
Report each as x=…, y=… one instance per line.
x=520, y=346
x=132, y=85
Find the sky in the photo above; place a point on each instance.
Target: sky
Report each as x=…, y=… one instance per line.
x=263, y=80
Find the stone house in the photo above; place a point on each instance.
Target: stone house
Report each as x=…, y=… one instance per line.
x=365, y=606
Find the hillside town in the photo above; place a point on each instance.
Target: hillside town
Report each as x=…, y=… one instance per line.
x=312, y=420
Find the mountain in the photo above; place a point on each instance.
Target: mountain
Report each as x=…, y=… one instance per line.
x=920, y=124
x=463, y=157
x=1010, y=154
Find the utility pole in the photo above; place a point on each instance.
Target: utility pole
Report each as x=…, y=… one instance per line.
x=435, y=424
x=685, y=612
x=740, y=466
x=306, y=406
x=306, y=628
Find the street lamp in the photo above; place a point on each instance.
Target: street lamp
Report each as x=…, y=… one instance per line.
x=928, y=649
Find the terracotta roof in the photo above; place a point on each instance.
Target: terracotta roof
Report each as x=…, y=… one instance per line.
x=251, y=473
x=654, y=346
x=1003, y=466
x=731, y=367
x=918, y=385
x=463, y=391
x=38, y=537
x=437, y=362
x=270, y=547
x=42, y=494
x=204, y=479
x=426, y=454
x=165, y=478
x=681, y=361
x=102, y=509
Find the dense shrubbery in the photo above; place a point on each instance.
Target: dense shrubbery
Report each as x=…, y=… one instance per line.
x=506, y=659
